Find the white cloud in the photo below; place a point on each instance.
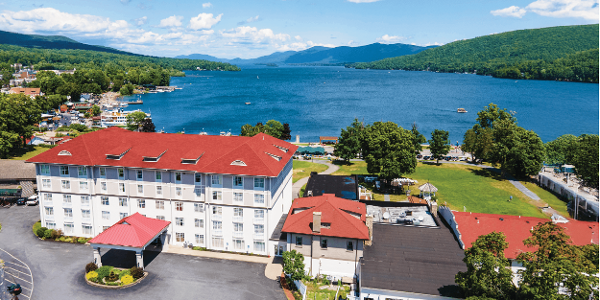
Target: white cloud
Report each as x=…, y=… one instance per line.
x=584, y=9
x=206, y=5
x=362, y=1
x=390, y=39
x=299, y=46
x=254, y=34
x=298, y=38
x=204, y=21
x=140, y=21
x=249, y=20
x=172, y=21
x=50, y=19
x=513, y=11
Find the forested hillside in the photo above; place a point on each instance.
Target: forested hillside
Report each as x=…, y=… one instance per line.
x=556, y=53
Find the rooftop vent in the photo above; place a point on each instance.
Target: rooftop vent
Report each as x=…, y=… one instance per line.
x=276, y=157
x=191, y=161
x=238, y=163
x=281, y=148
x=64, y=153
x=153, y=158
x=501, y=219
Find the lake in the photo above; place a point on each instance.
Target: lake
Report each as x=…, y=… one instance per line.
x=319, y=101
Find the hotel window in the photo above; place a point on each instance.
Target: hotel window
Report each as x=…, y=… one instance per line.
x=83, y=185
x=238, y=244
x=139, y=175
x=179, y=206
x=64, y=170
x=198, y=207
x=86, y=229
x=259, y=229
x=198, y=192
x=140, y=189
x=324, y=243
x=46, y=183
x=159, y=190
x=259, y=214
x=216, y=180
x=178, y=191
x=160, y=217
x=105, y=200
x=259, y=183
x=103, y=186
x=177, y=177
x=259, y=246
x=179, y=237
x=298, y=241
x=200, y=239
x=199, y=223
x=49, y=211
x=85, y=200
x=259, y=198
x=238, y=181
x=217, y=225
x=67, y=199
x=69, y=228
x=238, y=197
x=217, y=210
x=141, y=203
x=45, y=169
x=122, y=201
x=121, y=173
x=217, y=242
x=122, y=216
x=48, y=197
x=158, y=176
x=122, y=187
x=85, y=213
x=160, y=204
x=238, y=212
x=50, y=225
x=106, y=215
x=197, y=178
x=102, y=172
x=105, y=227
x=217, y=196
x=179, y=221
x=65, y=184
x=350, y=246
x=238, y=227
x=82, y=171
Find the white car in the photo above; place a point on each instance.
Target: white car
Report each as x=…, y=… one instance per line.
x=33, y=200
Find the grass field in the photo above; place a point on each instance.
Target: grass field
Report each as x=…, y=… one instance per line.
x=355, y=167
x=27, y=153
x=548, y=197
x=304, y=168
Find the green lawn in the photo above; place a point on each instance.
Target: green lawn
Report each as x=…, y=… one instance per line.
x=27, y=153
x=304, y=168
x=548, y=197
x=354, y=167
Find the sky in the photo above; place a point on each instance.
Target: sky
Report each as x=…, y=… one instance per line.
x=253, y=28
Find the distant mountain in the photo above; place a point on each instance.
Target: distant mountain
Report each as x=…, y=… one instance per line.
x=51, y=42
x=324, y=55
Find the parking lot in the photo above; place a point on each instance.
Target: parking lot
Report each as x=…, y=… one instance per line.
x=58, y=269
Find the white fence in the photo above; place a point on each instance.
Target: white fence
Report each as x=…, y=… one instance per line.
x=301, y=288
x=448, y=216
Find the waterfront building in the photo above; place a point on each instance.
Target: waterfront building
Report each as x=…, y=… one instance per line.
x=219, y=192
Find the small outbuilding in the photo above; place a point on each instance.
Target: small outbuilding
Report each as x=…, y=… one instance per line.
x=427, y=190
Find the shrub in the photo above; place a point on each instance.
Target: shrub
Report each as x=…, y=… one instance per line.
x=103, y=271
x=68, y=240
x=297, y=295
x=48, y=234
x=125, y=273
x=56, y=233
x=91, y=275
x=41, y=231
x=136, y=272
x=127, y=279
x=36, y=226
x=82, y=240
x=112, y=277
x=91, y=267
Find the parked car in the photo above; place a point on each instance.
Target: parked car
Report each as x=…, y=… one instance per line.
x=21, y=201
x=426, y=157
x=370, y=178
x=33, y=200
x=419, y=156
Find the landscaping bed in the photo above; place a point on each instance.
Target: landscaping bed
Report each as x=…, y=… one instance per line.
x=198, y=248
x=46, y=234
x=111, y=277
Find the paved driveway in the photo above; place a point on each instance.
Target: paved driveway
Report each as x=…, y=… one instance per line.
x=58, y=269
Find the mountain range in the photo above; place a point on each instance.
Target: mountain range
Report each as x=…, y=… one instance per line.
x=324, y=55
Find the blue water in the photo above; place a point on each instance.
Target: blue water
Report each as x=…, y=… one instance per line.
x=319, y=101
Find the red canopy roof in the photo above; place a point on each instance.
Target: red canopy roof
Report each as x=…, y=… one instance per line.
x=346, y=217
x=517, y=229
x=134, y=231
x=262, y=155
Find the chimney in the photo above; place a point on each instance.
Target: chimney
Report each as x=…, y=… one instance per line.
x=317, y=221
x=369, y=223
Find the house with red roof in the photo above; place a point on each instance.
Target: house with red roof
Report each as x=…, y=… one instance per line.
x=219, y=192
x=329, y=232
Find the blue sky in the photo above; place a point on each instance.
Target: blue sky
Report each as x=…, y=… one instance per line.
x=249, y=29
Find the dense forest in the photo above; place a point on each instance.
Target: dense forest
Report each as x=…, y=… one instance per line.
x=567, y=53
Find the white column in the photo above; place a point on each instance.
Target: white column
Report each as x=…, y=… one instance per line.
x=97, y=257
x=139, y=258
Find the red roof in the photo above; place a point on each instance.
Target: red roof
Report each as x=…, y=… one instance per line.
x=517, y=229
x=335, y=211
x=218, y=152
x=133, y=231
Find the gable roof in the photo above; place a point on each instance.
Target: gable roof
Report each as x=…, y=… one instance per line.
x=134, y=231
x=517, y=229
x=335, y=211
x=217, y=152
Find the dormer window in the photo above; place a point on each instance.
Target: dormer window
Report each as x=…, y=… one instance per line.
x=281, y=148
x=153, y=158
x=276, y=157
x=191, y=161
x=64, y=153
x=117, y=156
x=238, y=163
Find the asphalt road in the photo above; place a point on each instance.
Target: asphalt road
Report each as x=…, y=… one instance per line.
x=58, y=269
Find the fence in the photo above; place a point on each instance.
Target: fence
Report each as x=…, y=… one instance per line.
x=301, y=288
x=448, y=216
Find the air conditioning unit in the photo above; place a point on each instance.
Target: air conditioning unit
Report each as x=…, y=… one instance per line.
x=309, y=193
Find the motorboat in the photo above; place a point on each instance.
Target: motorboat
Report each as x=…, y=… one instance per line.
x=461, y=110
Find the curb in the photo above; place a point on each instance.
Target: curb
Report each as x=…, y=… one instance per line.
x=115, y=287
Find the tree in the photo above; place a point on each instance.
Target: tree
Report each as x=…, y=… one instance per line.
x=556, y=262
x=135, y=119
x=274, y=128
x=418, y=138
x=388, y=150
x=559, y=149
x=439, y=144
x=147, y=126
x=349, y=143
x=18, y=114
x=293, y=264
x=96, y=110
x=488, y=274
x=286, y=133
x=518, y=151
x=584, y=156
x=478, y=141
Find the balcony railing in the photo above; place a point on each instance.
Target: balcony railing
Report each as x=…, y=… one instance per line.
x=259, y=220
x=238, y=234
x=217, y=232
x=67, y=204
x=217, y=217
x=259, y=235
x=238, y=219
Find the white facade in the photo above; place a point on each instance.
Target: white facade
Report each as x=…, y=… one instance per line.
x=216, y=211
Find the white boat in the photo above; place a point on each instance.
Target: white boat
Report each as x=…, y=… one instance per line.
x=461, y=110
x=248, y=103
x=116, y=117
